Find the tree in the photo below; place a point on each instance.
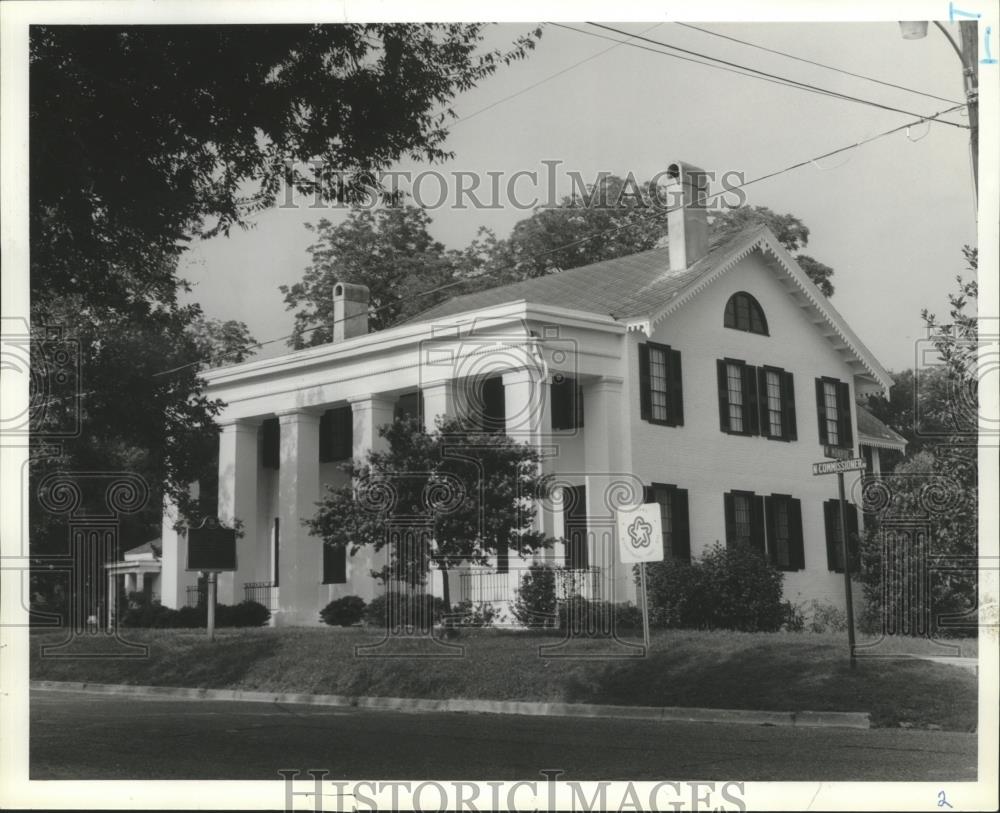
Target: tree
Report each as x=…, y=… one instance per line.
x=941, y=480
x=143, y=138
x=390, y=250
x=468, y=494
x=615, y=218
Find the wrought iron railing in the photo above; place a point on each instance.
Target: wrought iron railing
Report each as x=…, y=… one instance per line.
x=492, y=587
x=265, y=593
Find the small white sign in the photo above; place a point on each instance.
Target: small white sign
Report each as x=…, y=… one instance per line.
x=640, y=534
x=839, y=466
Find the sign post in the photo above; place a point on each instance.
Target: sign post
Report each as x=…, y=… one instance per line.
x=843, y=462
x=211, y=549
x=640, y=540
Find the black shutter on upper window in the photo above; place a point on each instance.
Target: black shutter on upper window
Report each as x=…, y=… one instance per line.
x=676, y=394
x=723, y=396
x=682, y=526
x=763, y=416
x=821, y=411
x=757, y=523
x=788, y=430
x=730, y=514
x=645, y=397
x=844, y=414
x=797, y=547
x=751, y=420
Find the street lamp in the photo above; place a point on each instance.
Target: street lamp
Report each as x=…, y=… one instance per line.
x=968, y=54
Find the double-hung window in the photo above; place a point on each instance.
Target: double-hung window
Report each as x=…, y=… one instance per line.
x=744, y=519
x=756, y=400
x=833, y=412
x=785, y=548
x=673, y=504
x=661, y=399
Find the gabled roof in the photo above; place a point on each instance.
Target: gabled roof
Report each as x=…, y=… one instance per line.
x=153, y=547
x=872, y=432
x=640, y=290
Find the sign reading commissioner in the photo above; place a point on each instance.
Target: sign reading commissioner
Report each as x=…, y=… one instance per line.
x=839, y=466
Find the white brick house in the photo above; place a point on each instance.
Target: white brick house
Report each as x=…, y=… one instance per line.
x=709, y=375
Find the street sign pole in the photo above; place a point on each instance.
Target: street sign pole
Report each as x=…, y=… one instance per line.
x=645, y=606
x=847, y=569
x=210, y=599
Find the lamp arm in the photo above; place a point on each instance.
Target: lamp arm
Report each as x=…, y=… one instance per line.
x=951, y=39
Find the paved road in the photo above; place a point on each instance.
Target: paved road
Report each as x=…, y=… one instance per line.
x=85, y=736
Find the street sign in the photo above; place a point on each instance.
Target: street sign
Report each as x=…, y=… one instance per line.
x=640, y=534
x=211, y=549
x=837, y=452
x=839, y=466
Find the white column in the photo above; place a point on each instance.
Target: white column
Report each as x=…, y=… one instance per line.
x=439, y=400
x=370, y=413
x=524, y=404
x=112, y=596
x=238, y=500
x=300, y=556
x=603, y=441
x=140, y=582
x=175, y=577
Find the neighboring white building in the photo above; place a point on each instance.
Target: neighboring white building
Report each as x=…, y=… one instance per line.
x=710, y=375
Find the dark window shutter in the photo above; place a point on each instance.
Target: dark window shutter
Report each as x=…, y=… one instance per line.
x=676, y=399
x=763, y=414
x=645, y=398
x=730, y=512
x=772, y=551
x=751, y=417
x=797, y=552
x=853, y=537
x=821, y=412
x=271, y=443
x=844, y=414
x=648, y=495
x=578, y=404
x=326, y=437
x=682, y=526
x=757, y=523
x=788, y=430
x=723, y=396
x=830, y=508
x=334, y=564
x=561, y=403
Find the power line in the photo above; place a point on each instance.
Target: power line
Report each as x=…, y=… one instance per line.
x=756, y=73
x=546, y=79
x=813, y=62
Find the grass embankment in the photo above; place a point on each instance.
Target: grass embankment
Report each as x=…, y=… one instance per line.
x=779, y=672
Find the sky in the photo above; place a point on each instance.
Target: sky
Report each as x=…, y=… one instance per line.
x=890, y=216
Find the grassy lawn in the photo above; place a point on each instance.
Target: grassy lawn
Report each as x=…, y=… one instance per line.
x=781, y=672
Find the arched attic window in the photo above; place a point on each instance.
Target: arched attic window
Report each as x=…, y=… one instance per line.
x=743, y=312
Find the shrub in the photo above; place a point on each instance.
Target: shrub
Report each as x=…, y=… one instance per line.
x=144, y=613
x=479, y=614
x=667, y=585
x=578, y=616
x=535, y=605
x=826, y=618
x=419, y=611
x=793, y=618
x=343, y=612
x=728, y=588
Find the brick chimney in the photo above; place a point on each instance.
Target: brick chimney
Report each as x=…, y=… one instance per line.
x=687, y=219
x=350, y=310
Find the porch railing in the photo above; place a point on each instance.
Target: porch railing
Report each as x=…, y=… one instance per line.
x=488, y=586
x=265, y=593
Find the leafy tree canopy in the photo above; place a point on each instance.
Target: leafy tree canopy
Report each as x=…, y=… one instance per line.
x=466, y=486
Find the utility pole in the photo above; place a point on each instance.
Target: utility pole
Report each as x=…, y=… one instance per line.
x=969, y=54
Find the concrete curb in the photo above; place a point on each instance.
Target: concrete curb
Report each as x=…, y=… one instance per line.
x=839, y=719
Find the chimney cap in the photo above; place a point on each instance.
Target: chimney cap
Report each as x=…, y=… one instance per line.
x=680, y=168
x=351, y=291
